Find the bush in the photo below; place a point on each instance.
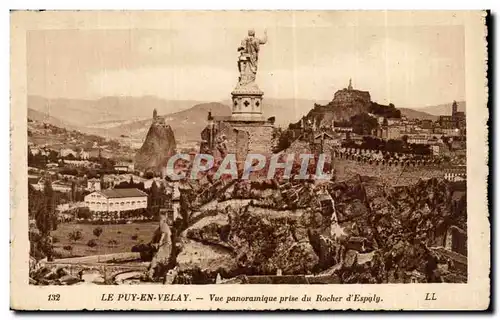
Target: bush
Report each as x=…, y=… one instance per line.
x=55, y=240
x=83, y=213
x=146, y=250
x=92, y=243
x=75, y=235
x=113, y=242
x=97, y=231
x=134, y=237
x=68, y=248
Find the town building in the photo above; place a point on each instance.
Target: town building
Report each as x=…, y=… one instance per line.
x=393, y=121
x=388, y=132
x=418, y=139
x=435, y=150
x=84, y=155
x=426, y=124
x=124, y=167
x=116, y=200
x=456, y=173
x=66, y=152
x=456, y=120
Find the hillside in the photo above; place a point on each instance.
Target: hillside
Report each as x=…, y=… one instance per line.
x=443, y=109
x=186, y=124
x=285, y=110
x=417, y=114
x=43, y=133
x=43, y=117
x=90, y=113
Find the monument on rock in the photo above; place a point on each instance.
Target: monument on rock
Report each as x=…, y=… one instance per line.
x=246, y=130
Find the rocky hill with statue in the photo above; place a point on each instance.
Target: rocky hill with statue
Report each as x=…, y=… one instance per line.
x=346, y=104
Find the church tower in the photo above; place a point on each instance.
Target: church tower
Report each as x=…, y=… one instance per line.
x=454, y=108
x=155, y=114
x=350, y=84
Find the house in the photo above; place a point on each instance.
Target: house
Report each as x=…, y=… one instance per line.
x=84, y=155
x=124, y=167
x=61, y=186
x=116, y=200
x=66, y=152
x=435, y=150
x=456, y=173
x=393, y=121
x=418, y=139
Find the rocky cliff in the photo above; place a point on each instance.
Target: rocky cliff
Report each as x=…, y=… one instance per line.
x=345, y=104
x=157, y=148
x=367, y=232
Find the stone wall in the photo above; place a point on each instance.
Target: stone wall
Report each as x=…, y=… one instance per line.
x=395, y=173
x=244, y=138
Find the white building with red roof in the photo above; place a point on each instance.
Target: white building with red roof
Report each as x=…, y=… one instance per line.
x=116, y=200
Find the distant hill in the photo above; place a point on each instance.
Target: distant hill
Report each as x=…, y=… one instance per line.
x=43, y=132
x=443, y=109
x=286, y=111
x=89, y=113
x=43, y=117
x=414, y=114
x=186, y=124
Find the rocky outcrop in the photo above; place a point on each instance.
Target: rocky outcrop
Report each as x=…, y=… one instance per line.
x=157, y=148
x=345, y=104
x=383, y=234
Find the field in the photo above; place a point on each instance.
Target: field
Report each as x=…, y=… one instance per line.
x=121, y=233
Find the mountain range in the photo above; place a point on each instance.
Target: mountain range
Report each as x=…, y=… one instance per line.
x=131, y=117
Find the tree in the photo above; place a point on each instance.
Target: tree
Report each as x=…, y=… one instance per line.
x=101, y=181
x=363, y=123
x=162, y=195
x=113, y=242
x=75, y=235
x=405, y=139
x=154, y=194
x=97, y=231
x=46, y=219
x=73, y=191
x=92, y=243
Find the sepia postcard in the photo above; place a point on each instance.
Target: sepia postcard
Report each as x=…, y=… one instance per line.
x=249, y=160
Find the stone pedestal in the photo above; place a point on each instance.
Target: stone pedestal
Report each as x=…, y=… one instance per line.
x=247, y=103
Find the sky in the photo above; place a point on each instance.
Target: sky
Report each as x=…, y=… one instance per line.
x=408, y=65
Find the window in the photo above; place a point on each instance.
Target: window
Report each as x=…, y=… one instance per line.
x=133, y=203
x=111, y=204
x=123, y=203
